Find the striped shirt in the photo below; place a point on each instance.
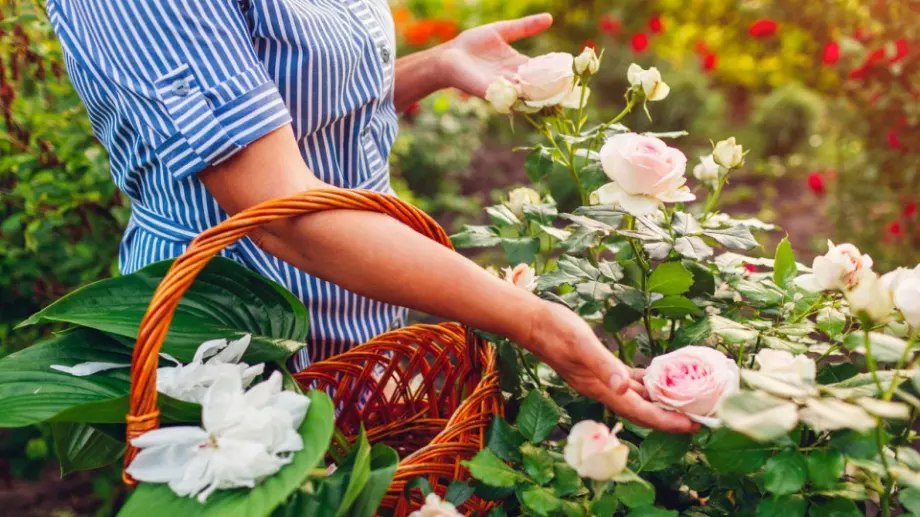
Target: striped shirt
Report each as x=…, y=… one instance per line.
x=174, y=86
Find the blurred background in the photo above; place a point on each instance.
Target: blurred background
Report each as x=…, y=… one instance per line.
x=823, y=92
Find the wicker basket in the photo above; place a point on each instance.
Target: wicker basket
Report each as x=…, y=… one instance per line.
x=429, y=391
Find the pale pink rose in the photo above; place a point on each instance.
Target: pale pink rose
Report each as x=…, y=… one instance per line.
x=594, y=451
x=842, y=267
x=645, y=173
x=692, y=380
x=434, y=507
x=547, y=80
x=523, y=276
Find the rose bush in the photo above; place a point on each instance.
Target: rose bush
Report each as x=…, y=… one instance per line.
x=805, y=378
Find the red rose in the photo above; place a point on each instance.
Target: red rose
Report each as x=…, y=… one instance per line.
x=700, y=47
x=639, y=42
x=710, y=61
x=901, y=50
x=816, y=183
x=751, y=268
x=895, y=229
x=831, y=53
x=910, y=209
x=894, y=141
x=763, y=28
x=655, y=24
x=609, y=24
x=859, y=73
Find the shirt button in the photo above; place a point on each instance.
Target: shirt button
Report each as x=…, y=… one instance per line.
x=181, y=87
x=385, y=55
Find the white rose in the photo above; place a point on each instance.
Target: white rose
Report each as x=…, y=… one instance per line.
x=519, y=197
x=594, y=451
x=502, y=94
x=692, y=380
x=871, y=297
x=645, y=173
x=842, y=267
x=649, y=81
x=707, y=171
x=781, y=363
x=904, y=286
x=547, y=80
x=728, y=154
x=523, y=276
x=434, y=507
x=587, y=61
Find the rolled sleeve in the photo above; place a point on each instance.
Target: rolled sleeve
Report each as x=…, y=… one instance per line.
x=185, y=71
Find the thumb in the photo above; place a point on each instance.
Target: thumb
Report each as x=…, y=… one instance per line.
x=513, y=30
x=610, y=371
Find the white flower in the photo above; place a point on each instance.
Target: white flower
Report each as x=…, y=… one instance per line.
x=649, y=81
x=707, y=171
x=519, y=197
x=522, y=275
x=547, y=80
x=190, y=382
x=594, y=451
x=780, y=363
x=244, y=438
x=88, y=368
x=728, y=154
x=502, y=94
x=573, y=100
x=587, y=61
x=645, y=173
x=842, y=267
x=871, y=297
x=904, y=286
x=434, y=507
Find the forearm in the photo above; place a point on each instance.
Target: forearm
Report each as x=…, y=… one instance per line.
x=418, y=75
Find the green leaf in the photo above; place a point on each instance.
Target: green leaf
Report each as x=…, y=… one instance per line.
x=538, y=164
x=651, y=511
x=521, y=250
x=670, y=278
x=358, y=464
x=785, y=473
x=619, y=317
x=488, y=468
x=825, y=467
x=635, y=495
x=156, y=500
x=566, y=480
x=537, y=463
x=734, y=238
x=692, y=334
x=384, y=462
x=758, y=415
x=676, y=307
x=784, y=267
x=834, y=508
x=834, y=373
x=730, y=452
x=782, y=506
x=605, y=506
x=458, y=492
x=82, y=447
x=502, y=216
x=704, y=282
x=504, y=440
x=538, y=417
x=910, y=500
x=855, y=445
x=540, y=501
x=226, y=300
x=662, y=450
x=476, y=237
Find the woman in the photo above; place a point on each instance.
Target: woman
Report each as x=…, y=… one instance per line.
x=209, y=107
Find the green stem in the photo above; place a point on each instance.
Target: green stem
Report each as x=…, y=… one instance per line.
x=621, y=350
x=714, y=198
x=532, y=374
x=901, y=362
x=870, y=362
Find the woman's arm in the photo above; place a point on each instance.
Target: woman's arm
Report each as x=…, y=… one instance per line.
x=378, y=257
x=469, y=62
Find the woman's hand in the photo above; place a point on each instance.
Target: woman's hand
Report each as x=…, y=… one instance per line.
x=568, y=345
x=478, y=56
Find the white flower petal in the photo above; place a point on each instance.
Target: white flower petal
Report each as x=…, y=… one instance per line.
x=207, y=349
x=808, y=282
x=638, y=205
x=88, y=368
x=233, y=352
x=680, y=195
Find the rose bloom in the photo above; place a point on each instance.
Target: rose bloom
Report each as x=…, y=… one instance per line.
x=781, y=362
x=710, y=62
x=831, y=54
x=904, y=286
x=434, y=507
x=523, y=276
x=816, y=183
x=548, y=79
x=692, y=380
x=707, y=171
x=594, y=451
x=840, y=268
x=872, y=297
x=645, y=173
x=502, y=94
x=519, y=197
x=639, y=42
x=763, y=28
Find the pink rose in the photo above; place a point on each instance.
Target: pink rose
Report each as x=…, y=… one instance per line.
x=692, y=380
x=523, y=276
x=645, y=173
x=594, y=451
x=842, y=267
x=547, y=80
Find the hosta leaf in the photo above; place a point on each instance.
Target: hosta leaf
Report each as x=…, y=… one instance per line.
x=80, y=446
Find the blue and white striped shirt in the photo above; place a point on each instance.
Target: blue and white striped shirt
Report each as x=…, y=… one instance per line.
x=174, y=86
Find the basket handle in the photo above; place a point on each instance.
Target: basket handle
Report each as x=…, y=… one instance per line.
x=143, y=415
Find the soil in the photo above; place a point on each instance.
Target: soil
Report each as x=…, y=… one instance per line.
x=49, y=495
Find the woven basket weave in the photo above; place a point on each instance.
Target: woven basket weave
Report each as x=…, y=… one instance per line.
x=429, y=391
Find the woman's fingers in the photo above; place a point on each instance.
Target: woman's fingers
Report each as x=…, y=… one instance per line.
x=513, y=30
x=634, y=408
x=608, y=369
